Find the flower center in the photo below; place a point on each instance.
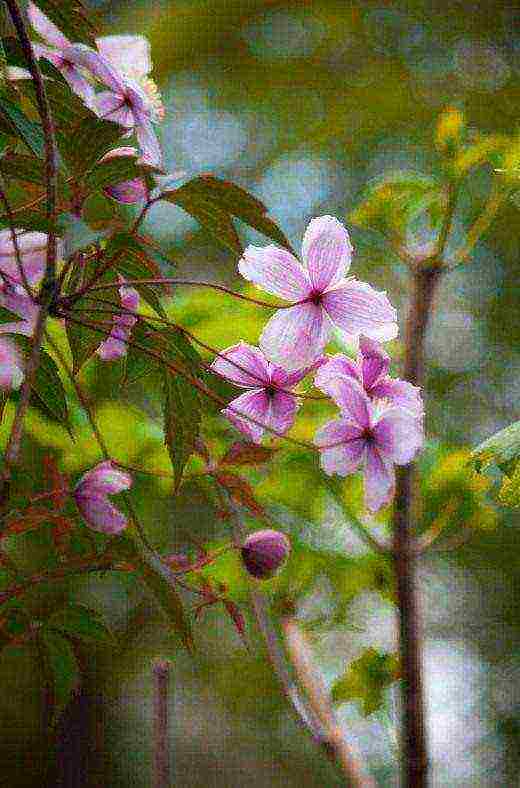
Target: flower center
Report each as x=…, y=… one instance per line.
x=368, y=436
x=315, y=297
x=270, y=391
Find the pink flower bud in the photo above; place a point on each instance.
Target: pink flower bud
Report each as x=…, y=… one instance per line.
x=91, y=496
x=264, y=552
x=127, y=192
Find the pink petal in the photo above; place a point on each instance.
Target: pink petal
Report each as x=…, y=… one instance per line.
x=401, y=394
x=104, y=478
x=357, y=308
x=282, y=412
x=276, y=271
x=128, y=192
x=280, y=377
x=151, y=153
x=11, y=365
x=341, y=447
x=379, y=480
x=243, y=365
x=33, y=251
x=129, y=54
x=332, y=370
x=350, y=396
x=374, y=361
x=326, y=252
x=97, y=65
x=80, y=85
x=129, y=297
x=112, y=106
x=254, y=404
x=294, y=338
x=398, y=435
x=100, y=514
x=46, y=29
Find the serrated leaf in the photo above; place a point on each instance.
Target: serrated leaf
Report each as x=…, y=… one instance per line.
x=133, y=262
x=62, y=668
x=23, y=168
x=81, y=622
x=182, y=416
x=67, y=108
x=209, y=214
x=48, y=391
x=242, y=453
x=27, y=220
x=240, y=491
x=28, y=130
x=366, y=680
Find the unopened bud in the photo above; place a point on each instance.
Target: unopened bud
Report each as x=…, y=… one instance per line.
x=264, y=552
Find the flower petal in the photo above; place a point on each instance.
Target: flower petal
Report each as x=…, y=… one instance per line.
x=243, y=365
x=398, y=435
x=97, y=65
x=341, y=447
x=294, y=338
x=326, y=251
x=112, y=106
x=45, y=28
x=129, y=54
x=374, y=361
x=282, y=412
x=104, y=478
x=356, y=308
x=100, y=514
x=151, y=153
x=276, y=271
x=11, y=365
x=33, y=252
x=80, y=85
x=280, y=377
x=335, y=367
x=254, y=404
x=349, y=395
x=379, y=480
x=401, y=394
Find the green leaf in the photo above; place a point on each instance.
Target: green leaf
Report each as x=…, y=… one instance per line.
x=159, y=582
x=366, y=680
x=48, y=392
x=23, y=168
x=71, y=17
x=29, y=131
x=182, y=415
x=113, y=171
x=213, y=202
x=81, y=622
x=67, y=108
x=92, y=138
x=133, y=262
x=61, y=666
x=503, y=448
x=209, y=214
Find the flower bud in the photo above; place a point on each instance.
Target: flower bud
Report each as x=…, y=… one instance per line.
x=127, y=192
x=264, y=552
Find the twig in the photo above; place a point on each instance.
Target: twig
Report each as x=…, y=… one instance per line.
x=161, y=744
x=302, y=660
x=322, y=727
x=12, y=451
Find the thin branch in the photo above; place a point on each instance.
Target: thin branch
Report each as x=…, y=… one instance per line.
x=159, y=281
x=12, y=451
x=161, y=743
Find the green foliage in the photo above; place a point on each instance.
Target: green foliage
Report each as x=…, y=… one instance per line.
x=366, y=680
x=182, y=416
x=214, y=203
x=23, y=127
x=503, y=450
x=61, y=667
x=78, y=621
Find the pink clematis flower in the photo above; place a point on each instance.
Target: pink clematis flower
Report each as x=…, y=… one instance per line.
x=247, y=367
x=376, y=435
x=127, y=192
x=15, y=299
x=370, y=370
x=122, y=64
x=116, y=344
x=57, y=51
x=33, y=253
x=91, y=496
x=11, y=365
x=322, y=296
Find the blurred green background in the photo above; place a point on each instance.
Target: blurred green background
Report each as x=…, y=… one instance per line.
x=305, y=104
